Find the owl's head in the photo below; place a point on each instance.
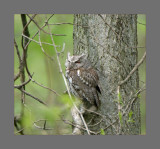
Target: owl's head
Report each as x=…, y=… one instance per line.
x=76, y=61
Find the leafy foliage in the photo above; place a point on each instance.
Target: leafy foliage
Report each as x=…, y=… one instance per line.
x=102, y=132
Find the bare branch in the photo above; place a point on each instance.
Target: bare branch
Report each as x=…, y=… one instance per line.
x=25, y=29
x=49, y=18
x=42, y=28
x=44, y=127
x=60, y=23
x=60, y=68
x=19, y=57
x=24, y=56
x=141, y=23
x=103, y=116
x=77, y=126
x=62, y=49
x=31, y=39
x=18, y=53
x=17, y=76
x=125, y=111
x=85, y=26
x=16, y=121
x=134, y=69
x=129, y=105
x=39, y=100
x=96, y=123
x=20, y=131
x=43, y=49
x=24, y=83
x=38, y=31
x=45, y=87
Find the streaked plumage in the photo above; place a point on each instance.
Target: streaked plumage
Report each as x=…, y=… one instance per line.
x=83, y=79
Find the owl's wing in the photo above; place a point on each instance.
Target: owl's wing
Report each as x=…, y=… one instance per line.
x=89, y=77
x=84, y=84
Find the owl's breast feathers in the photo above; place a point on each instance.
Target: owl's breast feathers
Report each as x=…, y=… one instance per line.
x=85, y=83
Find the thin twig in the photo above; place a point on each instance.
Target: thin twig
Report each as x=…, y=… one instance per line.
x=103, y=116
x=141, y=23
x=75, y=125
x=31, y=39
x=44, y=127
x=96, y=123
x=45, y=87
x=39, y=100
x=85, y=26
x=60, y=23
x=134, y=69
x=134, y=97
x=43, y=49
x=20, y=131
x=25, y=30
x=24, y=83
x=43, y=29
x=19, y=57
x=62, y=49
x=18, y=53
x=16, y=121
x=24, y=56
x=57, y=55
x=38, y=31
x=124, y=112
x=17, y=76
x=111, y=124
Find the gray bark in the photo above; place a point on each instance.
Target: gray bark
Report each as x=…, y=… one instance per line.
x=110, y=41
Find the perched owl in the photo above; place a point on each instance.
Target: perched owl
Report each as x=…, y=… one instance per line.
x=83, y=79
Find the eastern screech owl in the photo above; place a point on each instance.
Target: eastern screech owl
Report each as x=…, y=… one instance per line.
x=83, y=79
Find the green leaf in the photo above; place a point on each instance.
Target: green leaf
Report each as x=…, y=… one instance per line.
x=130, y=117
x=102, y=132
x=119, y=96
x=139, y=96
x=27, y=119
x=131, y=121
x=120, y=117
x=65, y=99
x=52, y=113
x=120, y=99
x=130, y=114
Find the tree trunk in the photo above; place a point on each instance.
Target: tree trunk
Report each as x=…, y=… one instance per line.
x=110, y=42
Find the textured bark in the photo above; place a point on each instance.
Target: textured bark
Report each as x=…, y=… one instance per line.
x=110, y=41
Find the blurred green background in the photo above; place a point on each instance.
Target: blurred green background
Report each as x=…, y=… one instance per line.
x=46, y=72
